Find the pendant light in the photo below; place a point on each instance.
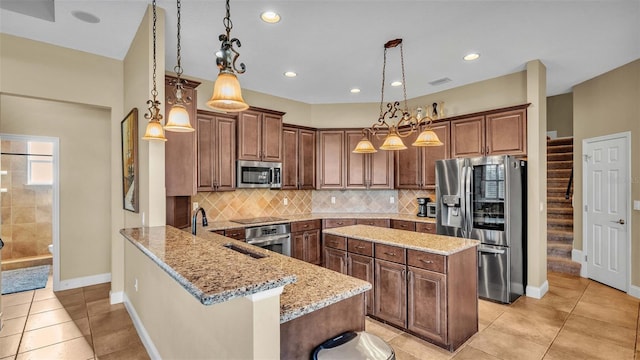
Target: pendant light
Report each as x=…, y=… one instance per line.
x=154, y=127
x=178, y=118
x=398, y=123
x=227, y=95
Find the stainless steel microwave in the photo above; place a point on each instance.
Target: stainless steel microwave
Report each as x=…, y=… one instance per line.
x=259, y=174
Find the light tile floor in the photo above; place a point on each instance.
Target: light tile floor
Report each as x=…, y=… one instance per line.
x=576, y=319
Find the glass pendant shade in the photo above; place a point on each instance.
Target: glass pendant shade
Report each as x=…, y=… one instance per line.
x=393, y=142
x=178, y=119
x=227, y=95
x=364, y=147
x=428, y=138
x=154, y=131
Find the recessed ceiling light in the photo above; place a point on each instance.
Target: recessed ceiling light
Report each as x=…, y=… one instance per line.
x=396, y=83
x=355, y=90
x=471, y=56
x=270, y=17
x=85, y=16
x=290, y=74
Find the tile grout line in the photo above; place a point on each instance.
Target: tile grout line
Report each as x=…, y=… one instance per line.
x=33, y=295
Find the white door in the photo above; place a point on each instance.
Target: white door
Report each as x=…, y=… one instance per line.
x=606, y=206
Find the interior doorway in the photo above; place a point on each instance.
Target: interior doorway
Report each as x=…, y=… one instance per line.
x=29, y=201
x=606, y=197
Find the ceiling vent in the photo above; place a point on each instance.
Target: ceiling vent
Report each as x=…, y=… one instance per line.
x=439, y=81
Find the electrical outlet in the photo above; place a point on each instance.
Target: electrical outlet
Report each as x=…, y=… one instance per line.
x=392, y=200
x=143, y=219
x=195, y=206
x=333, y=199
x=135, y=284
x=285, y=201
x=636, y=204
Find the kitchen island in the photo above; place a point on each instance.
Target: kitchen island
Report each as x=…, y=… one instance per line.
x=424, y=284
x=237, y=312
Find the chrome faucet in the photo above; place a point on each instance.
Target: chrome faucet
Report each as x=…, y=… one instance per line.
x=194, y=219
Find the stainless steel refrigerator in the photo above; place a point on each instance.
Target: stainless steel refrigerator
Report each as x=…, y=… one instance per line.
x=484, y=198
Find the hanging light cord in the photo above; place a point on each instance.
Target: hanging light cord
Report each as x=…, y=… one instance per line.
x=228, y=24
x=154, y=105
x=384, y=66
x=178, y=67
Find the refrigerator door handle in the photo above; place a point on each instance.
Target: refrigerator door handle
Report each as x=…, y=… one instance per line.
x=491, y=251
x=467, y=210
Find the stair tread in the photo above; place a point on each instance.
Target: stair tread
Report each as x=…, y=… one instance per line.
x=554, y=243
x=560, y=232
x=568, y=140
x=560, y=221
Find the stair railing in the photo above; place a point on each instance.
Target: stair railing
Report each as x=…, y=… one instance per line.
x=567, y=194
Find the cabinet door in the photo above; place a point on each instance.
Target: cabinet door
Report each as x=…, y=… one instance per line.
x=361, y=267
x=380, y=167
x=408, y=165
x=335, y=260
x=356, y=163
x=313, y=249
x=331, y=159
x=249, y=135
x=271, y=137
x=206, y=151
x=427, y=304
x=307, y=159
x=433, y=153
x=506, y=133
x=297, y=245
x=429, y=228
x=290, y=163
x=225, y=170
x=467, y=137
x=390, y=302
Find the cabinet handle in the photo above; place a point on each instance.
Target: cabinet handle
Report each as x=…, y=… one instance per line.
x=403, y=226
x=360, y=247
x=306, y=225
x=426, y=261
x=339, y=223
x=404, y=274
x=410, y=276
x=390, y=253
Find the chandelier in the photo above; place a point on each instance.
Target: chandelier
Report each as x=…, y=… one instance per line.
x=395, y=123
x=227, y=95
x=154, y=129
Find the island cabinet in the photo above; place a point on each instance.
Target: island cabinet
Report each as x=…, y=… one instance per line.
x=216, y=151
x=494, y=133
x=260, y=135
x=360, y=265
x=306, y=245
x=298, y=158
x=390, y=302
x=416, y=166
x=335, y=253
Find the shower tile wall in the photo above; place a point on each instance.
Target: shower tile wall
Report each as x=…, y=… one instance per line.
x=25, y=209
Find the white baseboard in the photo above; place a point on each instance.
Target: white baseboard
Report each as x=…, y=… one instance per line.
x=576, y=255
x=634, y=291
x=538, y=292
x=142, y=332
x=116, y=297
x=84, y=281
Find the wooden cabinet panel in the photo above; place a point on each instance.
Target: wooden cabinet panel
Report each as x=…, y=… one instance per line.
x=429, y=228
x=403, y=225
x=390, y=302
x=433, y=153
x=206, y=151
x=427, y=304
x=306, y=159
x=356, y=163
x=216, y=151
x=409, y=166
x=390, y=253
x=379, y=166
x=306, y=225
x=236, y=233
x=290, y=157
x=225, y=154
x=360, y=247
x=507, y=133
x=333, y=223
x=178, y=211
x=427, y=261
x=335, y=260
x=336, y=242
x=374, y=222
x=331, y=160
x=271, y=137
x=362, y=267
x=467, y=137
x=260, y=135
x=313, y=249
x=297, y=245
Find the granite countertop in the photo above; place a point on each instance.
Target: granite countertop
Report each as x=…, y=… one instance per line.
x=188, y=259
x=228, y=224
x=437, y=244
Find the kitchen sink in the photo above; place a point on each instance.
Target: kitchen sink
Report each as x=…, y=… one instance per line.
x=244, y=251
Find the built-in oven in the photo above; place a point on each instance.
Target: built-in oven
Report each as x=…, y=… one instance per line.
x=259, y=174
x=276, y=238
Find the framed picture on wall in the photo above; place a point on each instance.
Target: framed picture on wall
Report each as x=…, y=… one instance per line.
x=129, y=132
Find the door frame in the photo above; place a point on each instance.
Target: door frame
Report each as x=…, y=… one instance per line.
x=626, y=136
x=55, y=205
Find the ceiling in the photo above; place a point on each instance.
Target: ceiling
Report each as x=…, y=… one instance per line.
x=335, y=45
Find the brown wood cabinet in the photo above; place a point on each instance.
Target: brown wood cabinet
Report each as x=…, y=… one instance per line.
x=260, y=135
x=235, y=233
x=298, y=158
x=499, y=133
x=362, y=267
x=416, y=166
x=335, y=259
x=306, y=245
x=331, y=159
x=333, y=223
x=373, y=222
x=403, y=225
x=390, y=302
x=426, y=304
x=367, y=171
x=216, y=151
x=429, y=228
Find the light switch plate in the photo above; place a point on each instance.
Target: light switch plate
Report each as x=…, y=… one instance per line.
x=333, y=199
x=636, y=204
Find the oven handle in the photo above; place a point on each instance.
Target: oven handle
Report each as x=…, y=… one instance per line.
x=269, y=240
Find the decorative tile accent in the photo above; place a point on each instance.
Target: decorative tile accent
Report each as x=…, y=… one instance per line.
x=368, y=201
x=407, y=203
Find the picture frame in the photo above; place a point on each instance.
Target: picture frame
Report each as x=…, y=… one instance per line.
x=129, y=140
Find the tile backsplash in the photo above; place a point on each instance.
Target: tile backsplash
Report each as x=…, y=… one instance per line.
x=247, y=203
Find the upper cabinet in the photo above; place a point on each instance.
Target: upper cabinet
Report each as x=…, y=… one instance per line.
x=216, y=151
x=298, y=158
x=260, y=135
x=180, y=148
x=500, y=133
x=416, y=165
x=331, y=159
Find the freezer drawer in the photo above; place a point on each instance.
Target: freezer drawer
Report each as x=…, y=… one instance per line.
x=494, y=273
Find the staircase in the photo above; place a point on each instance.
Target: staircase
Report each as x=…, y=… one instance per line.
x=559, y=209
